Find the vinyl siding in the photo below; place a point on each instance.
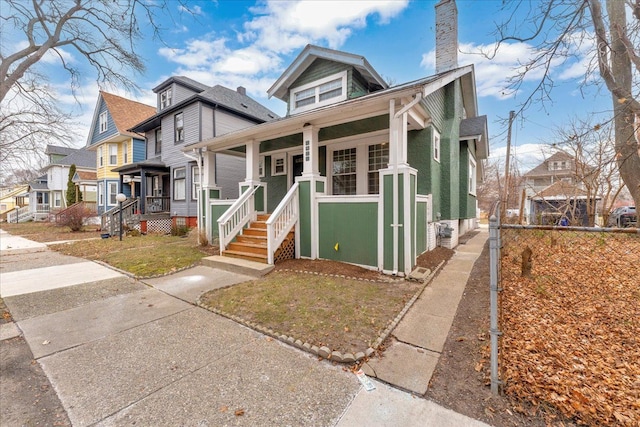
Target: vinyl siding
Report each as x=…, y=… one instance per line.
x=230, y=171
x=226, y=122
x=96, y=136
x=206, y=123
x=138, y=150
x=435, y=105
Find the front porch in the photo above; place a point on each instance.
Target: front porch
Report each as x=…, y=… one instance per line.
x=149, y=182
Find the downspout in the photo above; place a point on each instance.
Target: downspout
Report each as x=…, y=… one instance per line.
x=198, y=160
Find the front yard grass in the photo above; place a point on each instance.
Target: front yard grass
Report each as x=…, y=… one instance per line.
x=49, y=232
x=344, y=314
x=142, y=256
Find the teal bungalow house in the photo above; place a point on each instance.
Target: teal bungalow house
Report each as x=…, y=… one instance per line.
x=357, y=171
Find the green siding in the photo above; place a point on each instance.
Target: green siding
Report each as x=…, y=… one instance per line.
x=354, y=228
x=450, y=153
x=259, y=200
x=304, y=194
x=319, y=69
x=214, y=194
x=281, y=143
x=412, y=195
x=435, y=103
x=216, y=212
x=276, y=186
x=357, y=127
x=387, y=220
x=421, y=228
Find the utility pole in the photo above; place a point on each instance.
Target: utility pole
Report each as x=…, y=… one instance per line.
x=503, y=205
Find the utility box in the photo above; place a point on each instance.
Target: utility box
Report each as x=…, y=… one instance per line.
x=445, y=231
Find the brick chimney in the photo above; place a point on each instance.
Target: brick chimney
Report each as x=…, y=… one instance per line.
x=446, y=36
x=241, y=90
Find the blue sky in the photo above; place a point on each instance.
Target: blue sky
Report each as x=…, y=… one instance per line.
x=248, y=43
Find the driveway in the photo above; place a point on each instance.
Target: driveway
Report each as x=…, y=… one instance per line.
x=118, y=351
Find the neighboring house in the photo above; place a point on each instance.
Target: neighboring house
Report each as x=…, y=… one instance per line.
x=363, y=172
x=189, y=112
x=555, y=188
x=11, y=198
x=48, y=192
x=114, y=145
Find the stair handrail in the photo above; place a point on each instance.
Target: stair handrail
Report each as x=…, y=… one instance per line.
x=236, y=217
x=282, y=220
x=108, y=221
x=19, y=214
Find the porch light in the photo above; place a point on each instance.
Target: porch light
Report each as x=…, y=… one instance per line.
x=120, y=198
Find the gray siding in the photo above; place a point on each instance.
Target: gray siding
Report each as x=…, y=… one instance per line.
x=180, y=93
x=207, y=122
x=226, y=122
x=230, y=171
x=151, y=144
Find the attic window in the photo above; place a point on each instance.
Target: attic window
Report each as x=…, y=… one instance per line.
x=319, y=93
x=103, y=121
x=165, y=99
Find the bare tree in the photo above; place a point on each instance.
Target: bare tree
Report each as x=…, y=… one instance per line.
x=596, y=169
x=559, y=30
x=103, y=35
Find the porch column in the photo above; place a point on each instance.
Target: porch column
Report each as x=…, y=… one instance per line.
x=310, y=185
x=398, y=197
x=209, y=191
x=143, y=190
x=252, y=177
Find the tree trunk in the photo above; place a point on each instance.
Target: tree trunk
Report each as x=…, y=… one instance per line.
x=626, y=139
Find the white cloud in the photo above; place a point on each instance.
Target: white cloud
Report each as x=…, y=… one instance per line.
x=524, y=157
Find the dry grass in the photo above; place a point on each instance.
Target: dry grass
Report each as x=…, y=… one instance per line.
x=49, y=232
x=343, y=314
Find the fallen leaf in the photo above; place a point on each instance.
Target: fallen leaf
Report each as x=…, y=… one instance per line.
x=224, y=408
x=239, y=412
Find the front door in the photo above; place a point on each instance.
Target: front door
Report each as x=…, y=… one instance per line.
x=298, y=166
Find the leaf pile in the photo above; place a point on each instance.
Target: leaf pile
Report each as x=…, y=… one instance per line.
x=571, y=331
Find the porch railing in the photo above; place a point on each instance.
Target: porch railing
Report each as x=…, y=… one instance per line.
x=281, y=221
x=154, y=204
x=19, y=215
x=236, y=217
x=43, y=208
x=110, y=220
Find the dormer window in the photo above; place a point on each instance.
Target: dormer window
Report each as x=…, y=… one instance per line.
x=322, y=92
x=103, y=121
x=165, y=99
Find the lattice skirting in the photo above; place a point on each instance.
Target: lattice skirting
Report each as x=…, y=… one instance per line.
x=160, y=226
x=286, y=251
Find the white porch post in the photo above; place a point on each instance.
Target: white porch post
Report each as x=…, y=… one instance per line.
x=310, y=183
x=210, y=188
x=310, y=150
x=252, y=159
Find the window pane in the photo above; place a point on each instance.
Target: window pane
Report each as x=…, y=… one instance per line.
x=331, y=89
x=179, y=184
x=179, y=173
x=344, y=185
x=378, y=159
x=344, y=172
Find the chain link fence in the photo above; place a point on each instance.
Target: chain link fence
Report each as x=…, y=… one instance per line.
x=565, y=320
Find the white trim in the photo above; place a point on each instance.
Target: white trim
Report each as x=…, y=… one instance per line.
x=279, y=156
x=103, y=120
x=289, y=163
x=108, y=200
x=109, y=154
x=261, y=167
x=435, y=144
x=472, y=179
x=316, y=85
x=367, y=198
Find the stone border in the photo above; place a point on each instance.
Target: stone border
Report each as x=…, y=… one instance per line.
x=325, y=352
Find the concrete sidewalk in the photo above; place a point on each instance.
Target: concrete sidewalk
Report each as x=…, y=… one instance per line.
x=13, y=245
x=420, y=336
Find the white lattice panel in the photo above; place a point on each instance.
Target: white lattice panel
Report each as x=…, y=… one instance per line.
x=160, y=226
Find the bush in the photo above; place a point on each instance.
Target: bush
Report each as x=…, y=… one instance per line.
x=75, y=219
x=179, y=230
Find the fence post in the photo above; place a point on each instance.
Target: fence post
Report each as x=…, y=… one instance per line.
x=494, y=260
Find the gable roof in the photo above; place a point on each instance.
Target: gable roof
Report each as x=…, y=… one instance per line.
x=81, y=157
x=58, y=150
x=543, y=169
x=476, y=128
x=126, y=113
x=560, y=190
x=312, y=52
x=218, y=96
x=85, y=175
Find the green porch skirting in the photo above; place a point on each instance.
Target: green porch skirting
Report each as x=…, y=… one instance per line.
x=348, y=232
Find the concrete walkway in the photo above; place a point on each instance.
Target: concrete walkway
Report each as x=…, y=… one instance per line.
x=118, y=351
x=420, y=336
x=15, y=245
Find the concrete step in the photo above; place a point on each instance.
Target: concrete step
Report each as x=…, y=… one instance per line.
x=237, y=265
x=251, y=248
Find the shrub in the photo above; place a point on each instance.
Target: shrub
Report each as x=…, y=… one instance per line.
x=75, y=218
x=179, y=230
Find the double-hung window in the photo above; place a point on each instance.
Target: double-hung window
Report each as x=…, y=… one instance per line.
x=125, y=153
x=344, y=172
x=113, y=154
x=436, y=145
x=158, y=147
x=100, y=156
x=195, y=182
x=165, y=99
x=319, y=93
x=101, y=194
x=103, y=121
x=179, y=125
x=472, y=175
x=112, y=190
x=179, y=183
x=378, y=159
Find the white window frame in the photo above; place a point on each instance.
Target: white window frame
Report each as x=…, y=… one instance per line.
x=112, y=192
x=316, y=85
x=156, y=145
x=274, y=159
x=195, y=182
x=436, y=145
x=473, y=175
x=165, y=98
x=57, y=199
x=104, y=122
x=110, y=148
x=101, y=194
x=177, y=180
x=125, y=153
x=261, y=167
x=100, y=156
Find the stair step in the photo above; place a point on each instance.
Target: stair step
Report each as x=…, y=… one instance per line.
x=246, y=255
x=254, y=232
x=245, y=238
x=248, y=247
x=263, y=217
x=262, y=225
